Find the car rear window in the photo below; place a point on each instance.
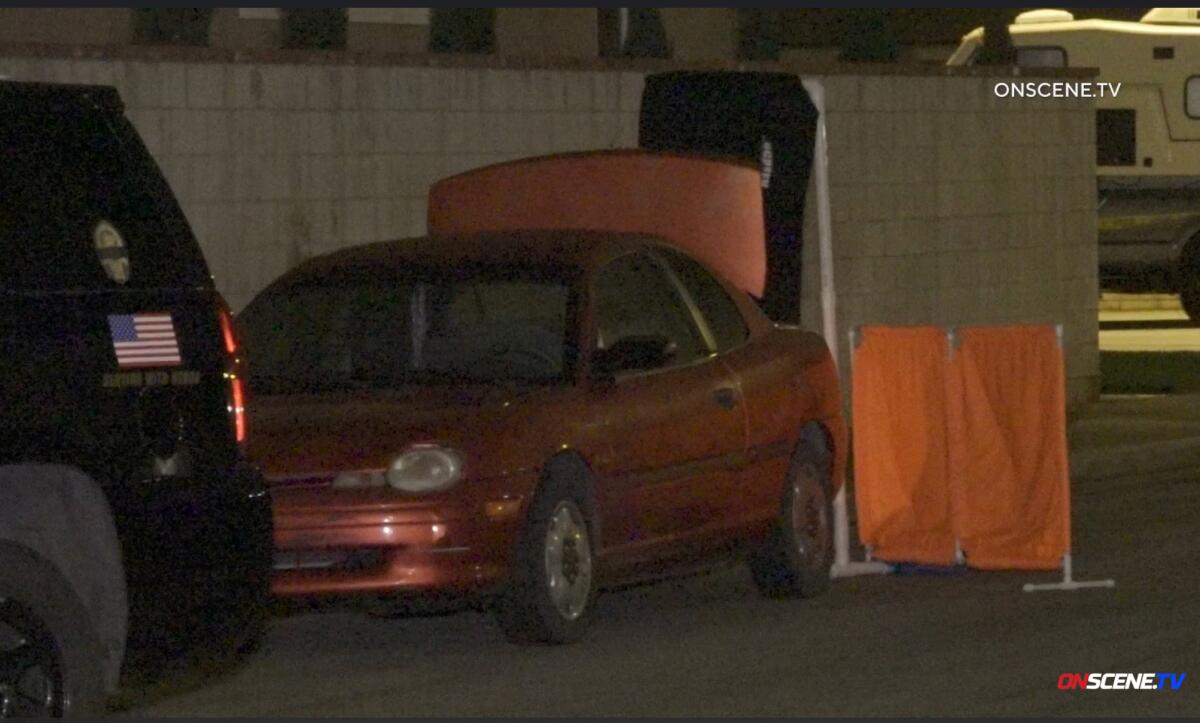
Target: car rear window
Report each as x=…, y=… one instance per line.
x=66, y=165
x=722, y=314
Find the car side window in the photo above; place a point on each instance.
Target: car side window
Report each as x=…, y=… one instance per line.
x=724, y=318
x=634, y=298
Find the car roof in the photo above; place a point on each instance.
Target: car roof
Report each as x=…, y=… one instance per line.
x=100, y=96
x=563, y=248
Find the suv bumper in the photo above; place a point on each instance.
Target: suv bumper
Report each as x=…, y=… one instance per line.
x=198, y=560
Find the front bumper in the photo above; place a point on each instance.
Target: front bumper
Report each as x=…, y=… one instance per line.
x=331, y=541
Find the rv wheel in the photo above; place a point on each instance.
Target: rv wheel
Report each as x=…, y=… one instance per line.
x=1189, y=296
x=1189, y=280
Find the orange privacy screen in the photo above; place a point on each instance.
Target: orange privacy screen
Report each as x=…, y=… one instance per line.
x=711, y=208
x=970, y=447
x=1008, y=447
x=900, y=456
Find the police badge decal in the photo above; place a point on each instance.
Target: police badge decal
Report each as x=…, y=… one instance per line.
x=111, y=250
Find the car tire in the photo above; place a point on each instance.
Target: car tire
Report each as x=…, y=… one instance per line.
x=1188, y=279
x=48, y=649
x=550, y=594
x=1189, y=294
x=796, y=560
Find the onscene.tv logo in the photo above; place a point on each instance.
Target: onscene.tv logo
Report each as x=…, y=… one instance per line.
x=1121, y=681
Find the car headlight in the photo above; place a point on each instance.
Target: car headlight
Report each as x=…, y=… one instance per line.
x=425, y=468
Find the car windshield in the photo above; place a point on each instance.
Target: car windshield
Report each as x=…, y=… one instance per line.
x=420, y=328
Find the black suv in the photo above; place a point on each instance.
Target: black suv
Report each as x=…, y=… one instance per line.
x=129, y=523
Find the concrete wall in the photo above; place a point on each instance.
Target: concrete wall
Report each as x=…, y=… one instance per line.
x=92, y=26
x=701, y=33
x=276, y=162
x=951, y=206
x=387, y=37
x=229, y=30
x=547, y=33
x=818, y=55
x=694, y=33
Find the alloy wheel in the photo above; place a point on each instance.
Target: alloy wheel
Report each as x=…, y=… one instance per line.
x=31, y=675
x=810, y=517
x=568, y=556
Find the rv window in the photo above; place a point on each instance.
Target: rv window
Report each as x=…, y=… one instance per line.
x=1046, y=57
x=1191, y=97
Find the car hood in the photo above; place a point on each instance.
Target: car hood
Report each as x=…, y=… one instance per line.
x=298, y=436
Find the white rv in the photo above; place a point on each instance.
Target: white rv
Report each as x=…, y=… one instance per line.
x=1147, y=136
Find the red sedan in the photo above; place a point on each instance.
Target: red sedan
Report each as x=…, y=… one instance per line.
x=534, y=416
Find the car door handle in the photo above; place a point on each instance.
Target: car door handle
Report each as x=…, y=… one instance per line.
x=726, y=397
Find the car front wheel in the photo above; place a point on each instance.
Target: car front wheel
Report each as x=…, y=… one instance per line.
x=549, y=599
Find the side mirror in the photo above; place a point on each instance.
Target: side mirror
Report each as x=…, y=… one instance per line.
x=632, y=353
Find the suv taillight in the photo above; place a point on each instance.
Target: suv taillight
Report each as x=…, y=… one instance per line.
x=237, y=408
x=233, y=374
x=227, y=334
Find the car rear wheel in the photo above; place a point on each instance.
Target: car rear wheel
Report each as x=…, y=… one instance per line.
x=1189, y=295
x=796, y=560
x=550, y=597
x=50, y=658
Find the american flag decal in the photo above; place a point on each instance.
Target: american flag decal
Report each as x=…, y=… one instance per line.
x=144, y=340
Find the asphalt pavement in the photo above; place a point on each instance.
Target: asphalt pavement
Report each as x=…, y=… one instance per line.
x=963, y=644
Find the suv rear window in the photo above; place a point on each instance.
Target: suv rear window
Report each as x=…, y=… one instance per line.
x=66, y=164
